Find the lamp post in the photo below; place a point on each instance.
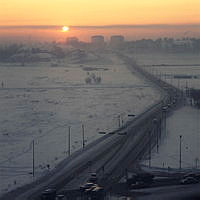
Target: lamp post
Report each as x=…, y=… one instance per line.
x=180, y=153
x=119, y=121
x=196, y=162
x=164, y=112
x=33, y=162
x=149, y=149
x=69, y=138
x=83, y=135
x=155, y=122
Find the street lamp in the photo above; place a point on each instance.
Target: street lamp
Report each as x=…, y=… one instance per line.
x=33, y=158
x=180, y=155
x=83, y=135
x=149, y=149
x=119, y=121
x=69, y=140
x=155, y=122
x=164, y=114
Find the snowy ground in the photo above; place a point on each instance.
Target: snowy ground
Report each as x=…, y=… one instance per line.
x=183, y=122
x=151, y=58
x=167, y=73
x=39, y=103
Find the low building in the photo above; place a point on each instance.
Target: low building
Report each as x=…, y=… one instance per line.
x=73, y=41
x=116, y=41
x=97, y=41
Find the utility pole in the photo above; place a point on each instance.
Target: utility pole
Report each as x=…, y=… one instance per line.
x=171, y=79
x=69, y=138
x=119, y=120
x=33, y=157
x=196, y=163
x=164, y=117
x=155, y=122
x=149, y=149
x=83, y=136
x=178, y=84
x=180, y=156
x=157, y=136
x=160, y=128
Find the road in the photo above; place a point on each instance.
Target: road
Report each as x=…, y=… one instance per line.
x=178, y=192
x=113, y=152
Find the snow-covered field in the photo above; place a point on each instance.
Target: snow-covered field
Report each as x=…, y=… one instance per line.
x=39, y=103
x=175, y=75
x=183, y=122
x=151, y=58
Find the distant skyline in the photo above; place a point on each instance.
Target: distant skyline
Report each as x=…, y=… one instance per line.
x=131, y=32
x=134, y=19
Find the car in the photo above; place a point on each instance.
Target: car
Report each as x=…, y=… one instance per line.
x=194, y=175
x=86, y=186
x=90, y=189
x=48, y=194
x=60, y=197
x=138, y=185
x=93, y=174
x=188, y=180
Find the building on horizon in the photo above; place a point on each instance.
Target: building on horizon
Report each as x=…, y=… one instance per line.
x=73, y=41
x=116, y=41
x=97, y=41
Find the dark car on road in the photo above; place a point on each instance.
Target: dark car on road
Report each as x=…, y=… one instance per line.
x=189, y=180
x=48, y=194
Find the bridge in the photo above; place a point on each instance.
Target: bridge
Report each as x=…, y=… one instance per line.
x=110, y=155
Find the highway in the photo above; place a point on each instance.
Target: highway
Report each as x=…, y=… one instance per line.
x=176, y=192
x=110, y=155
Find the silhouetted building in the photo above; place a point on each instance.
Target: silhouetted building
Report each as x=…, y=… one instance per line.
x=97, y=41
x=73, y=41
x=116, y=41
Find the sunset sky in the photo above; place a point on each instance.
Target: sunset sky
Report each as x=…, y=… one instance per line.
x=98, y=12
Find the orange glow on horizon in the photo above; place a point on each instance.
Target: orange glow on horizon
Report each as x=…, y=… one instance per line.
x=88, y=12
x=98, y=13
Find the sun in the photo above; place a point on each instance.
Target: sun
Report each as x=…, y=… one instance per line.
x=65, y=28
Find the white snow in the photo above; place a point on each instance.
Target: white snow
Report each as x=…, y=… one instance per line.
x=40, y=102
x=183, y=122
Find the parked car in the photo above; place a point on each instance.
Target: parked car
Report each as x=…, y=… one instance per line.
x=48, y=194
x=141, y=177
x=189, y=180
x=93, y=174
x=86, y=186
x=60, y=197
x=138, y=185
x=89, y=190
x=194, y=175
